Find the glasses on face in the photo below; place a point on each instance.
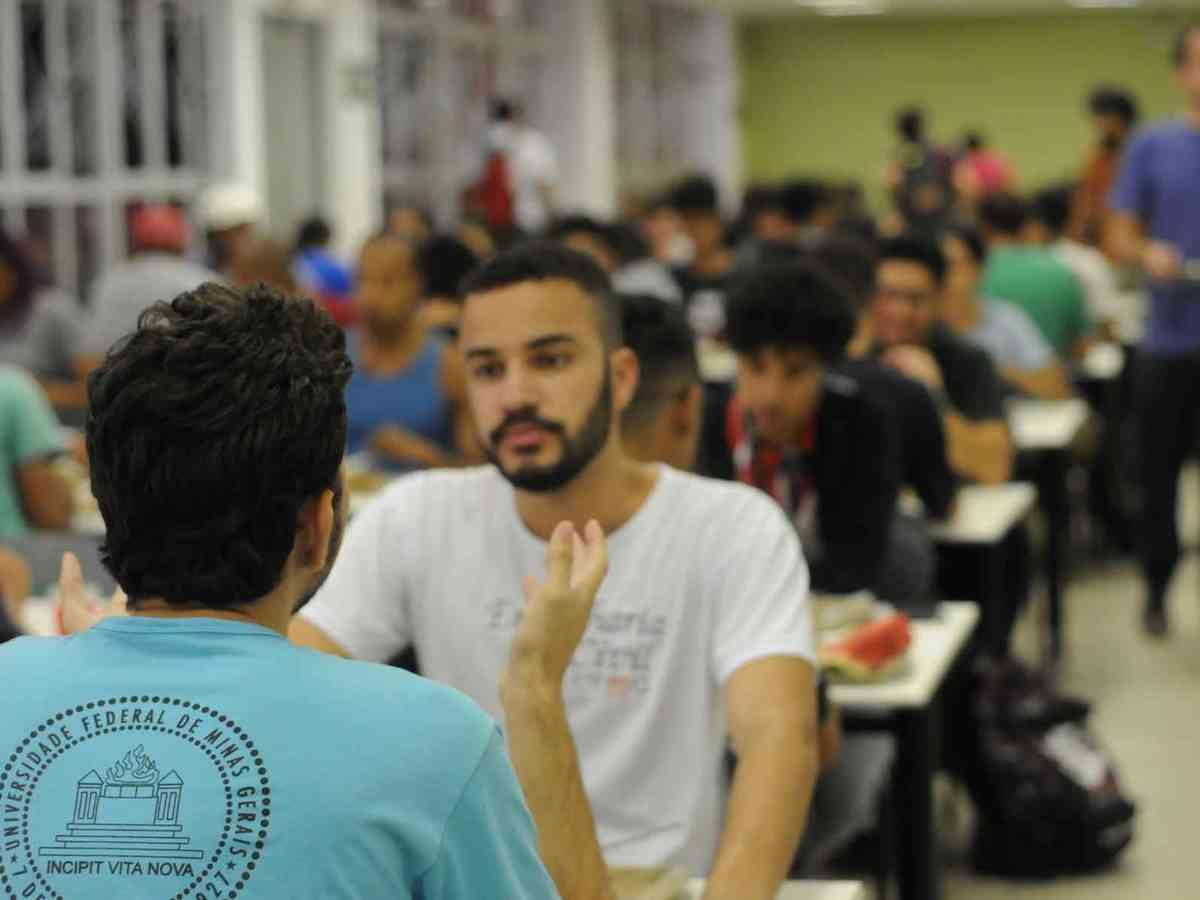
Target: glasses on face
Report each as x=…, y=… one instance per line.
x=916, y=298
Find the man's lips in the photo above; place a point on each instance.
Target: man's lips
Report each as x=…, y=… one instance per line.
x=524, y=436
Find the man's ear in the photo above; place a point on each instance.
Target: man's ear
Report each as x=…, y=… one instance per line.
x=626, y=372
x=317, y=517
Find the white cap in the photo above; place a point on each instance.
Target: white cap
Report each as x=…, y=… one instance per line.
x=228, y=205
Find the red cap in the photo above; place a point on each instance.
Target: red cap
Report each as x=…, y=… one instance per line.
x=159, y=228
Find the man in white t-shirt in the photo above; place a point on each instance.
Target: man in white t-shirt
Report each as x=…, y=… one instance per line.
x=532, y=165
x=701, y=629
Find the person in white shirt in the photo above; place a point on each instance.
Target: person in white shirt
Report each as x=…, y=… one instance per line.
x=532, y=165
x=1048, y=226
x=702, y=628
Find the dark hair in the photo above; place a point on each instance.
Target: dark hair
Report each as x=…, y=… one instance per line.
x=314, y=232
x=443, y=262
x=851, y=261
x=1052, y=207
x=916, y=248
x=628, y=242
x=971, y=238
x=910, y=124
x=544, y=260
x=26, y=279
x=565, y=226
x=802, y=199
x=503, y=109
x=1179, y=48
x=1004, y=213
x=694, y=194
x=658, y=334
x=974, y=141
x=1113, y=101
x=208, y=429
x=797, y=305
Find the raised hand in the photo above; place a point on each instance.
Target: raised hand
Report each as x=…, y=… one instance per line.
x=79, y=609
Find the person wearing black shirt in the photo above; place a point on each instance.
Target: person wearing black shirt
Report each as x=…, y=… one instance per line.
x=706, y=280
x=815, y=437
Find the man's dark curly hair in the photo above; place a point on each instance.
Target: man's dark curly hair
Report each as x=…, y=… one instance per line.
x=789, y=307
x=208, y=428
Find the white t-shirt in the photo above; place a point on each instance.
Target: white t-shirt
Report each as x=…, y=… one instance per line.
x=532, y=166
x=705, y=577
x=1091, y=268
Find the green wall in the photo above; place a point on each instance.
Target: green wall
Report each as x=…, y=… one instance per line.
x=818, y=94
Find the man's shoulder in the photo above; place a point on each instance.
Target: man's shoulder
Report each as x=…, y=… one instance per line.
x=951, y=349
x=697, y=499
x=440, y=488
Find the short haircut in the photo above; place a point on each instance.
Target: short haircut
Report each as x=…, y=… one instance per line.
x=658, y=334
x=1179, y=48
x=916, y=248
x=974, y=141
x=564, y=227
x=208, y=429
x=313, y=232
x=694, y=194
x=1003, y=212
x=545, y=260
x=443, y=262
x=802, y=199
x=1052, y=207
x=910, y=123
x=971, y=239
x=628, y=242
x=1113, y=101
x=790, y=307
x=853, y=262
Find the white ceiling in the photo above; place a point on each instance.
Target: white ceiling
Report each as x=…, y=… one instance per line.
x=935, y=7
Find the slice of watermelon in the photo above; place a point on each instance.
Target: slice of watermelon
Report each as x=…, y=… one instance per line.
x=870, y=650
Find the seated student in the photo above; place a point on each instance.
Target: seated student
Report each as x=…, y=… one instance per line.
x=1048, y=227
x=32, y=493
x=14, y=588
x=156, y=271
x=662, y=422
x=909, y=337
x=321, y=275
x=917, y=422
x=39, y=327
x=705, y=280
x=406, y=399
x=443, y=262
x=191, y=734
x=621, y=253
x=1031, y=278
x=812, y=437
x=792, y=219
x=1014, y=343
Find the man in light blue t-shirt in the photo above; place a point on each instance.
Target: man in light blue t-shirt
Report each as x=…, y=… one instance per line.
x=187, y=748
x=1156, y=227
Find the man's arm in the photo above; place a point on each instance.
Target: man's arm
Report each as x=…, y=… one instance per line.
x=979, y=451
x=771, y=706
x=1047, y=383
x=1126, y=243
x=45, y=495
x=539, y=737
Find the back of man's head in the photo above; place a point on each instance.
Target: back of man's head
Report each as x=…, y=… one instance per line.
x=547, y=261
x=693, y=195
x=314, y=232
x=444, y=262
x=1107, y=100
x=208, y=429
x=910, y=124
x=1003, y=214
x=658, y=334
x=789, y=307
x=853, y=262
x=802, y=199
x=1052, y=208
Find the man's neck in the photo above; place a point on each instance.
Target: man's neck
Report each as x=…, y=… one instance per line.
x=263, y=612
x=715, y=262
x=610, y=490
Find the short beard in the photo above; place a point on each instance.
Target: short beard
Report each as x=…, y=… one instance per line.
x=578, y=452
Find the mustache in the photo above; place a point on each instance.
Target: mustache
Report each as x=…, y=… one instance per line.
x=523, y=417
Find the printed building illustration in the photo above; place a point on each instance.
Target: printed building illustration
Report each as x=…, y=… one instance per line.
x=132, y=812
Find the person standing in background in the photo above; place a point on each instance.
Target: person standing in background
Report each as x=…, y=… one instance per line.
x=1114, y=116
x=157, y=271
x=982, y=170
x=705, y=280
x=517, y=153
x=443, y=262
x=921, y=176
x=1156, y=227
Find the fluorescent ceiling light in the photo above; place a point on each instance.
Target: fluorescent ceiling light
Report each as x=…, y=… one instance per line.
x=1103, y=4
x=845, y=7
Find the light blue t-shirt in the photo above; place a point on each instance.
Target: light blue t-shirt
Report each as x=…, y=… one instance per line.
x=1010, y=338
x=156, y=758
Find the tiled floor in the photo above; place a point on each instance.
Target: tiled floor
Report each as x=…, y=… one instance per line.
x=1147, y=711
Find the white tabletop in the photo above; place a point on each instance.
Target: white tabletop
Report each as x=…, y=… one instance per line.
x=985, y=513
x=936, y=644
x=800, y=890
x=38, y=616
x=1046, y=424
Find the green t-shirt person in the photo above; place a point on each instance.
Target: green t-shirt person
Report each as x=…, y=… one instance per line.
x=1032, y=279
x=29, y=432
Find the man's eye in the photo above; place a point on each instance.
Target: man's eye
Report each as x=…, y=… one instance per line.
x=551, y=360
x=487, y=370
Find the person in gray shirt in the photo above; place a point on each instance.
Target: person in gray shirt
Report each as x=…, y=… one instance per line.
x=157, y=271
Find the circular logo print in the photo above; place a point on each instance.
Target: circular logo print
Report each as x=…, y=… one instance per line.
x=163, y=795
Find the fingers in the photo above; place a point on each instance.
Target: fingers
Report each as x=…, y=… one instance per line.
x=70, y=577
x=531, y=586
x=558, y=557
x=596, y=555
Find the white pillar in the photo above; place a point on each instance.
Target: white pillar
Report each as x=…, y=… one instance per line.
x=586, y=108
x=239, y=73
x=353, y=155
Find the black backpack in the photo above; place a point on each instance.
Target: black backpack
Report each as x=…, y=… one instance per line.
x=1049, y=799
